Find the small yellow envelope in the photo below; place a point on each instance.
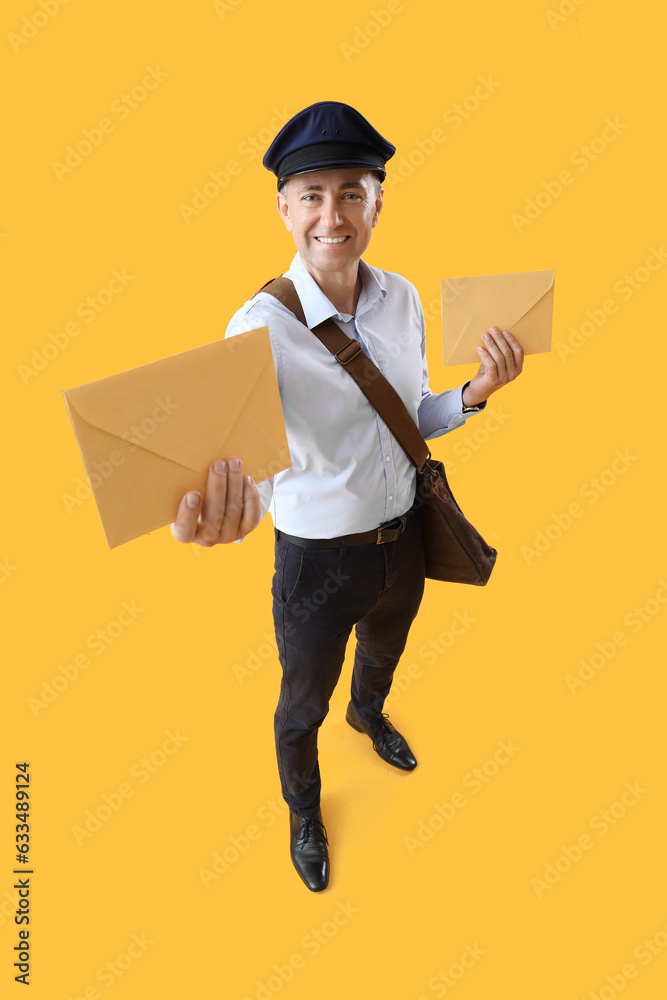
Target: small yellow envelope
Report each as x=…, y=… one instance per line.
x=521, y=303
x=148, y=435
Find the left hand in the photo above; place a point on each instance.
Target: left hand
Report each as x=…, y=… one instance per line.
x=501, y=362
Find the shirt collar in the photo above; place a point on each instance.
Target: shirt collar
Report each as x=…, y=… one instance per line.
x=316, y=305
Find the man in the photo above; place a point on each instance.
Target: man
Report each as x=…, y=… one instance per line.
x=348, y=545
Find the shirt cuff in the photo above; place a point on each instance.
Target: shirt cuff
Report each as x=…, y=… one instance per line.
x=471, y=409
x=443, y=412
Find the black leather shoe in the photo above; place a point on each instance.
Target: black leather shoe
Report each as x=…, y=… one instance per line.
x=308, y=850
x=387, y=741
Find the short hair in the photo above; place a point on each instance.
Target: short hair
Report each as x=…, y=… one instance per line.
x=282, y=187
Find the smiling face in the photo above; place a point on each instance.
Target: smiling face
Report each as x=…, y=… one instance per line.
x=331, y=215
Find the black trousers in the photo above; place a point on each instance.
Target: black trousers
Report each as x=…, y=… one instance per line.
x=319, y=594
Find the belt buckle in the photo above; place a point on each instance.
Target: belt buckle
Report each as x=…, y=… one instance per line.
x=398, y=528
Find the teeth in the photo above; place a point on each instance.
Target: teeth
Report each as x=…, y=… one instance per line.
x=326, y=239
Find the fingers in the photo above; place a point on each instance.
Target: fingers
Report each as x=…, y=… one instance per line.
x=489, y=362
x=498, y=348
x=230, y=509
x=221, y=502
x=184, y=527
x=517, y=350
x=504, y=352
x=224, y=504
x=233, y=501
x=252, y=511
x=213, y=509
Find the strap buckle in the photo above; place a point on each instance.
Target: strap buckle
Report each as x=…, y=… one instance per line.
x=353, y=344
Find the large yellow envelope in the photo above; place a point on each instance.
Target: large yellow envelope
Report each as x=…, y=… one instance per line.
x=521, y=303
x=148, y=435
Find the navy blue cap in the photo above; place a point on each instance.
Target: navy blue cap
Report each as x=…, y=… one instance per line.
x=324, y=135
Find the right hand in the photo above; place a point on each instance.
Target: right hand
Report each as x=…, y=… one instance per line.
x=229, y=511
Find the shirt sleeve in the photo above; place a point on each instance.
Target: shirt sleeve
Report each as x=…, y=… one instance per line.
x=440, y=412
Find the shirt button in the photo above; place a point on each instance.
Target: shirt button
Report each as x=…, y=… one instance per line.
x=388, y=458
x=391, y=498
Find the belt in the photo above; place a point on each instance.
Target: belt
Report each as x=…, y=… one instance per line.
x=388, y=532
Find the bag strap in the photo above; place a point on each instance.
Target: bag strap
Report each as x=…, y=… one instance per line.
x=379, y=392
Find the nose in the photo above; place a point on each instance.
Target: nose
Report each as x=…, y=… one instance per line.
x=330, y=214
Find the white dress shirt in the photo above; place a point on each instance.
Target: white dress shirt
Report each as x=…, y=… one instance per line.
x=349, y=473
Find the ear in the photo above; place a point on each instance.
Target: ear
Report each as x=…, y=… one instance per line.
x=378, y=206
x=283, y=209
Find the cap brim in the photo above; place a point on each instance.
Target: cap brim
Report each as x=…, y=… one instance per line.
x=332, y=165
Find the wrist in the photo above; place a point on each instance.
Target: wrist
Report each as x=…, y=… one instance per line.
x=469, y=398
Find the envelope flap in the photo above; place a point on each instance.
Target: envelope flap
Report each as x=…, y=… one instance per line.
x=183, y=407
x=502, y=299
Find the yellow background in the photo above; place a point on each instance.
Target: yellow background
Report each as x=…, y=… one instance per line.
x=405, y=914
